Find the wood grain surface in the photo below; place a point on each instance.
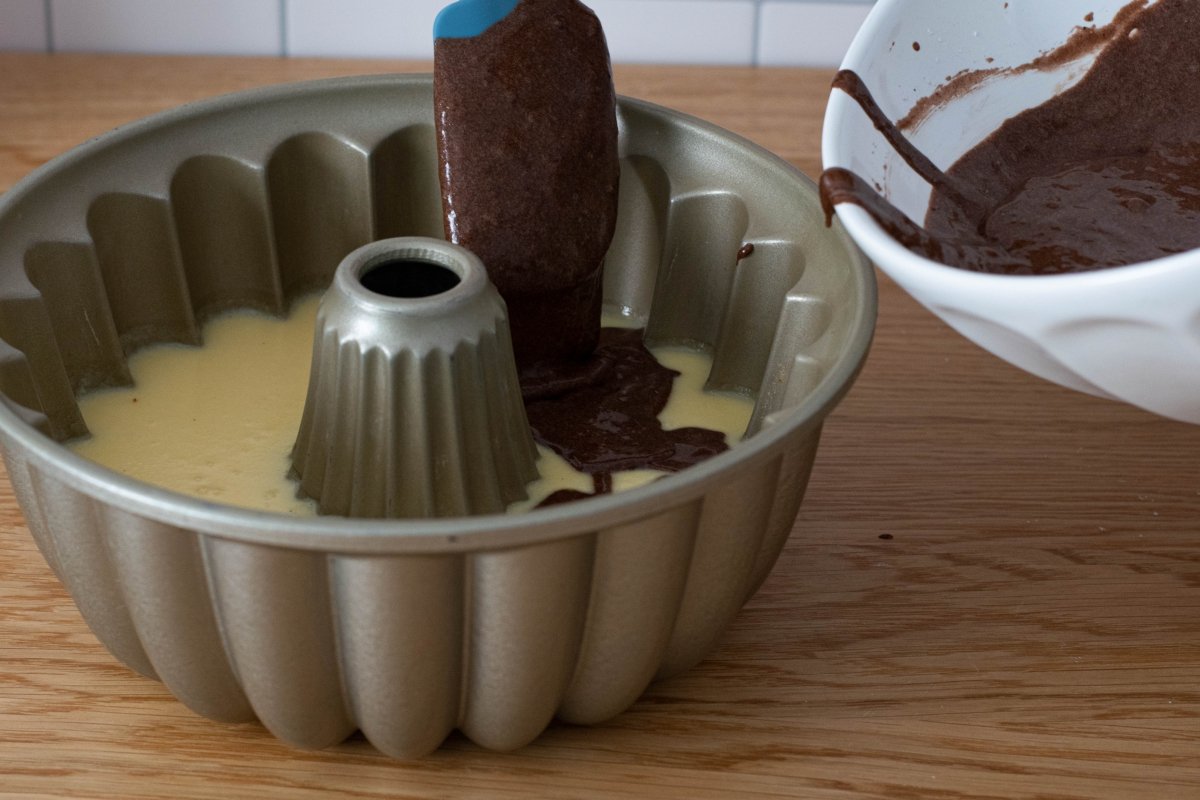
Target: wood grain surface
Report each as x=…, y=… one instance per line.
x=992, y=590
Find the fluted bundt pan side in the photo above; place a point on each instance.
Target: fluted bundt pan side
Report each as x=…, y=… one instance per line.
x=407, y=629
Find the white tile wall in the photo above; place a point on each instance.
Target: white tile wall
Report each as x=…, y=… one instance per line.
x=767, y=32
x=807, y=34
x=23, y=25
x=363, y=28
x=678, y=31
x=226, y=27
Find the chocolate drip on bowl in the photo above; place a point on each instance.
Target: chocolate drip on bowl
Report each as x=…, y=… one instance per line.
x=1105, y=174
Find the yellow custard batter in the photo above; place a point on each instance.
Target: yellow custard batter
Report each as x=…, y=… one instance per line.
x=218, y=421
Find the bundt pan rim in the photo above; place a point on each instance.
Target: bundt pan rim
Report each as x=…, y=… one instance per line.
x=459, y=534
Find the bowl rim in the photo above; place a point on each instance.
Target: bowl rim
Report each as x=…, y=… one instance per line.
x=910, y=268
x=450, y=534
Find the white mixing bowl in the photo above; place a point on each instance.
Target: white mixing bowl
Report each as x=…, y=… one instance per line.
x=1130, y=333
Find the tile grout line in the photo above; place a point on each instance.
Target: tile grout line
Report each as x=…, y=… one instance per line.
x=756, y=34
x=48, y=17
x=283, y=34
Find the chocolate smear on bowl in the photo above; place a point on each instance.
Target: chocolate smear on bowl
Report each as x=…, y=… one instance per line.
x=1106, y=173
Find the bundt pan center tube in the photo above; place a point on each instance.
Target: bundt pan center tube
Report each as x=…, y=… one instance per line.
x=414, y=407
x=407, y=629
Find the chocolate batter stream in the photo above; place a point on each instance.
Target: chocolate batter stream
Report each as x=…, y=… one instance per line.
x=527, y=148
x=1105, y=174
x=527, y=142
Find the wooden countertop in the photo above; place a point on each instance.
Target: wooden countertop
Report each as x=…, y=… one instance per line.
x=992, y=591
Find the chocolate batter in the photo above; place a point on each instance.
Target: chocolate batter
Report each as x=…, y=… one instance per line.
x=1105, y=174
x=527, y=148
x=527, y=144
x=610, y=424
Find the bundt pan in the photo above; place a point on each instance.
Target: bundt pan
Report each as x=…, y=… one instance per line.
x=491, y=624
